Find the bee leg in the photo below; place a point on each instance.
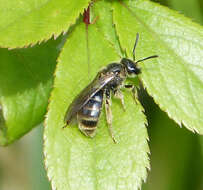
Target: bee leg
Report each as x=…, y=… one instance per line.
x=134, y=91
x=109, y=114
x=118, y=94
x=66, y=124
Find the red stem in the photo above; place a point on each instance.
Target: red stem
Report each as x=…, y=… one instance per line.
x=86, y=16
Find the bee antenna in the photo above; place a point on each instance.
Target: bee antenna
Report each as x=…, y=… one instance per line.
x=150, y=57
x=136, y=41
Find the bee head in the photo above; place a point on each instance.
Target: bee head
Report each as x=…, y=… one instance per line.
x=130, y=67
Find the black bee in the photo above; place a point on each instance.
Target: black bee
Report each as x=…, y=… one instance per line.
x=86, y=107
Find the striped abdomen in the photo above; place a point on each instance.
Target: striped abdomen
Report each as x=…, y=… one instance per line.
x=88, y=116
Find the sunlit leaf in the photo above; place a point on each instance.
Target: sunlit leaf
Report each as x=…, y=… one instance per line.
x=28, y=22
x=175, y=79
x=102, y=12
x=75, y=161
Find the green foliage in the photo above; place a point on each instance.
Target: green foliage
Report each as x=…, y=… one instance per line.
x=176, y=160
x=190, y=8
x=28, y=22
x=174, y=80
x=85, y=163
x=26, y=77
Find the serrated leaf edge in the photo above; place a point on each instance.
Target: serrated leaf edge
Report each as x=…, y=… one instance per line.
x=163, y=108
x=179, y=122
x=72, y=21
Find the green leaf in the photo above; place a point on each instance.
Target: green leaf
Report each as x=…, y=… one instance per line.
x=74, y=161
x=189, y=8
x=26, y=77
x=175, y=79
x=173, y=166
x=102, y=12
x=29, y=22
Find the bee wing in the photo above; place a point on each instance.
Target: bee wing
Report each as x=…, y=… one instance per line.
x=97, y=84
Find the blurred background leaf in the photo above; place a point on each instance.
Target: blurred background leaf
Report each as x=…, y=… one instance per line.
x=26, y=77
x=176, y=159
x=22, y=165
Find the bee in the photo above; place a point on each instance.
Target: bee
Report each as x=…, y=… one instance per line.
x=86, y=107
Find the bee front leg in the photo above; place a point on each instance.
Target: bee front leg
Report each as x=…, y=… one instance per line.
x=118, y=94
x=134, y=92
x=109, y=113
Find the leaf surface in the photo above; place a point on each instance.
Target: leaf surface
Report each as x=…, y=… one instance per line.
x=175, y=79
x=75, y=161
x=102, y=12
x=26, y=77
x=27, y=22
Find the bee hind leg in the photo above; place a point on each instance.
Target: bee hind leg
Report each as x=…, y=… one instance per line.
x=134, y=92
x=109, y=114
x=67, y=123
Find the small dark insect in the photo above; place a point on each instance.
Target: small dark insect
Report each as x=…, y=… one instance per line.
x=86, y=107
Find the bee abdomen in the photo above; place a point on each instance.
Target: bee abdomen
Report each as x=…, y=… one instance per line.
x=88, y=127
x=88, y=116
x=89, y=123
